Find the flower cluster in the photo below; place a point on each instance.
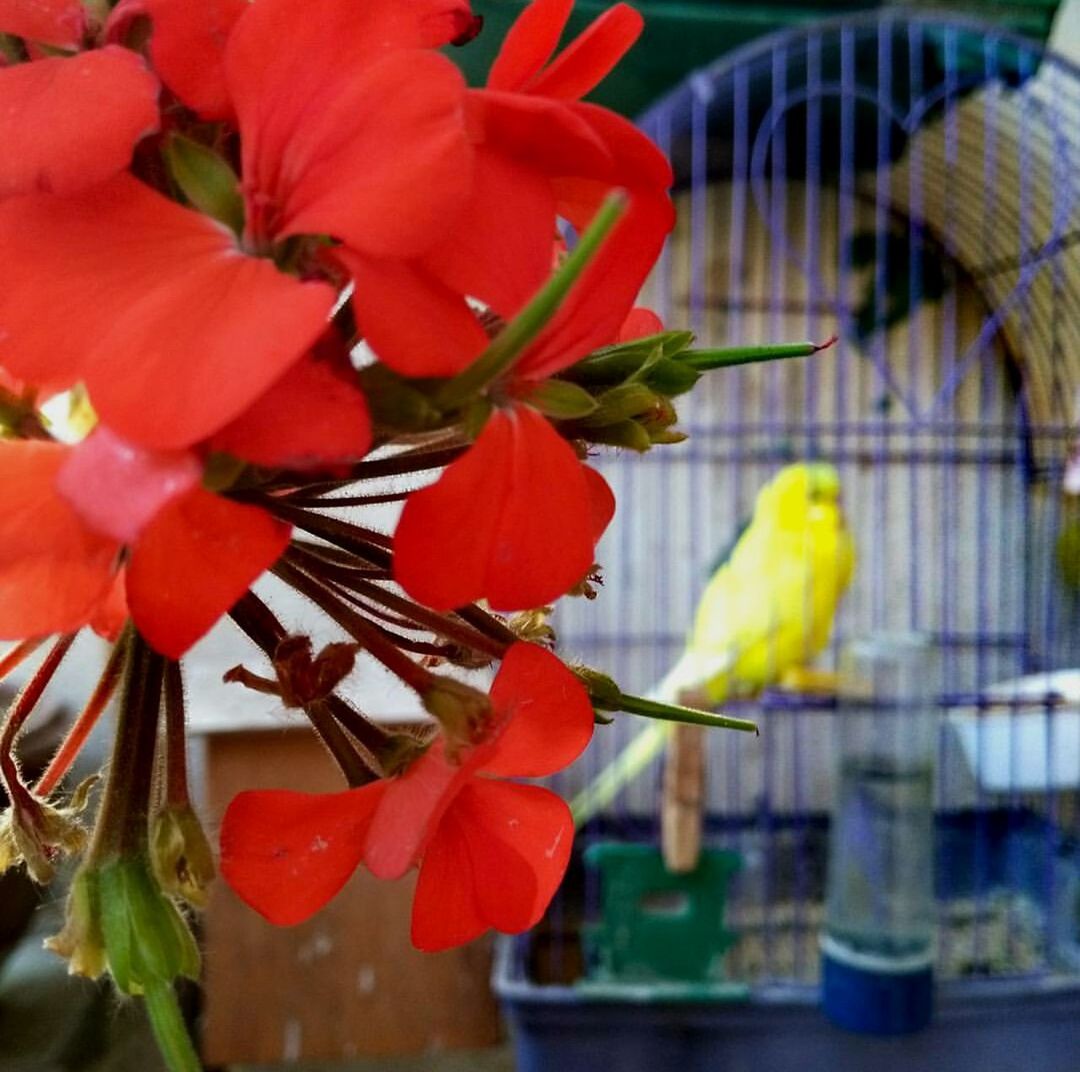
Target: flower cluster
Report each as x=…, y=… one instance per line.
x=263, y=252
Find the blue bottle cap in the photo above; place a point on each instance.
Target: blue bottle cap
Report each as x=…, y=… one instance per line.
x=875, y=999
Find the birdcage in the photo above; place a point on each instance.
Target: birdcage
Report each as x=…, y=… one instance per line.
x=909, y=183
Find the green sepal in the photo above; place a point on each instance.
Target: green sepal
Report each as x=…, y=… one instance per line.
x=147, y=940
x=222, y=471
x=561, y=400
x=615, y=364
x=398, y=404
x=80, y=941
x=627, y=434
x=474, y=416
x=205, y=179
x=180, y=855
x=664, y=437
x=671, y=377
x=603, y=691
x=620, y=403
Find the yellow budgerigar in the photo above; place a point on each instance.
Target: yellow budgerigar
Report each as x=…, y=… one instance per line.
x=764, y=616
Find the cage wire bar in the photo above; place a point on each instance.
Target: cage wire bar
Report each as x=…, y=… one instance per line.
x=911, y=184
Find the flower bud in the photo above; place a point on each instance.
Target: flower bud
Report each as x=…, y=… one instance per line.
x=627, y=434
x=180, y=854
x=620, y=403
x=463, y=712
x=147, y=941
x=397, y=404
x=603, y=691
x=561, y=400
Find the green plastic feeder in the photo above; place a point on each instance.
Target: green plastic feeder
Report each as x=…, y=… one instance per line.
x=660, y=935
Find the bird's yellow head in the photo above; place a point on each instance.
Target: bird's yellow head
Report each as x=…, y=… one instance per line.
x=801, y=494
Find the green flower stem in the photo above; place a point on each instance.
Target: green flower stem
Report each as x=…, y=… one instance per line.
x=638, y=705
x=122, y=825
x=511, y=342
x=704, y=360
x=167, y=1022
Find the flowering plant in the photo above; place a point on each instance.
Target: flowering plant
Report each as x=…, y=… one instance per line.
x=267, y=253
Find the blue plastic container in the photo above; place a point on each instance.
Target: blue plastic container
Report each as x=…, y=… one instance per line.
x=1012, y=1024
x=979, y=1026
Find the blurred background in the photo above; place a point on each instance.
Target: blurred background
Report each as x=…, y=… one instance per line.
x=902, y=837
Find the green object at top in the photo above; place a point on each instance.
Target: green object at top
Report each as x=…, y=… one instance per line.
x=660, y=935
x=683, y=35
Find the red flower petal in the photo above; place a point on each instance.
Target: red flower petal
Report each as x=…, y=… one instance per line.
x=445, y=912
x=447, y=531
x=529, y=44
x=341, y=136
x=188, y=50
x=54, y=570
x=412, y=808
x=509, y=522
x=595, y=309
x=496, y=861
x=498, y=247
x=550, y=717
x=639, y=323
x=413, y=322
x=174, y=332
x=637, y=163
x=313, y=417
x=66, y=124
x=60, y=23
x=550, y=136
x=193, y=562
x=112, y=612
x=117, y=487
x=588, y=59
x=287, y=854
x=602, y=500
x=519, y=839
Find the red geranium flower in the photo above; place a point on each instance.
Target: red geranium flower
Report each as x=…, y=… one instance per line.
x=76, y=518
x=350, y=127
x=190, y=554
x=491, y=852
x=540, y=155
x=68, y=122
x=515, y=520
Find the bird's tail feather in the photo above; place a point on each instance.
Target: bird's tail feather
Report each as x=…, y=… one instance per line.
x=646, y=745
x=691, y=671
